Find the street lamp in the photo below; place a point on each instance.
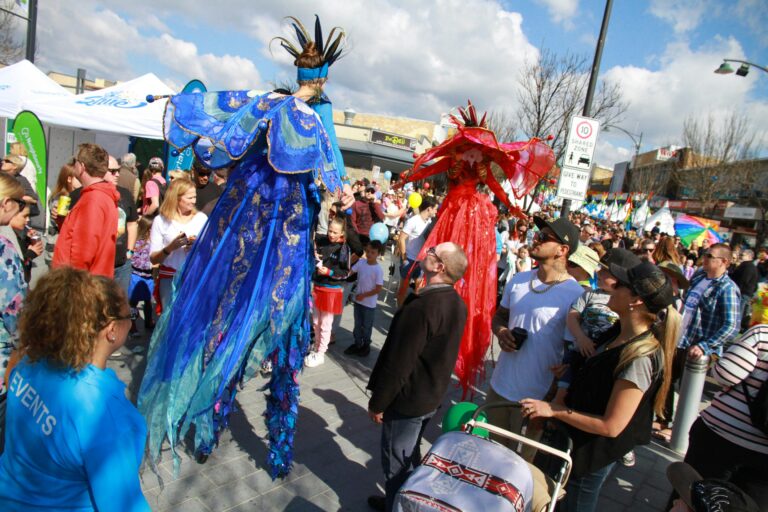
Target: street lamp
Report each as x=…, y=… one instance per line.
x=637, y=140
x=726, y=69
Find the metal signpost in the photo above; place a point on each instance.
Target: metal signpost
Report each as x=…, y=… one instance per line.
x=577, y=160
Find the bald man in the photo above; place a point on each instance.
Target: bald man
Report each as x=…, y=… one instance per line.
x=415, y=365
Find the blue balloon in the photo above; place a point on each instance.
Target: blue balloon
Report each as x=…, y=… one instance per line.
x=380, y=232
x=388, y=175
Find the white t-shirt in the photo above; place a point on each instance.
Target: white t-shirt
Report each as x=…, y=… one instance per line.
x=164, y=231
x=414, y=227
x=526, y=373
x=368, y=278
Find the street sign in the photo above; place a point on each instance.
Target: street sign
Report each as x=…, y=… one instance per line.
x=577, y=160
x=573, y=184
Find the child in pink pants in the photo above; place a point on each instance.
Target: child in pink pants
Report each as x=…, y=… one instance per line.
x=333, y=268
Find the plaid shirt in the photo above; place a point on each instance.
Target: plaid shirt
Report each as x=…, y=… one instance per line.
x=717, y=316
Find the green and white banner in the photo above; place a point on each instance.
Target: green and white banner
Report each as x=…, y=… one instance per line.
x=29, y=131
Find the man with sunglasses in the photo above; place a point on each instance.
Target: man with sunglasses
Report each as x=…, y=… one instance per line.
x=207, y=191
x=537, y=301
x=711, y=315
x=415, y=365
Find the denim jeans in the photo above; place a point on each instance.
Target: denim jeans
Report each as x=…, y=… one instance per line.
x=123, y=275
x=364, y=317
x=400, y=449
x=581, y=494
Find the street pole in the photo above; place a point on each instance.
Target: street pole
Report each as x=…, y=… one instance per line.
x=31, y=30
x=592, y=81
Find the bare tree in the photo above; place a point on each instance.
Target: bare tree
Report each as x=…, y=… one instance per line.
x=501, y=122
x=717, y=162
x=553, y=90
x=11, y=45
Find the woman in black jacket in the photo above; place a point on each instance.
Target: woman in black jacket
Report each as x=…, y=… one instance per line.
x=610, y=403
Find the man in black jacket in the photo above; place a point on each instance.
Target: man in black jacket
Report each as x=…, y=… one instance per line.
x=415, y=365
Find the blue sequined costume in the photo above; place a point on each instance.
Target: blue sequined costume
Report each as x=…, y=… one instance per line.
x=244, y=291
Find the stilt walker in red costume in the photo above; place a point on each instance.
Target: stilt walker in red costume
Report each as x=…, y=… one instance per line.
x=468, y=217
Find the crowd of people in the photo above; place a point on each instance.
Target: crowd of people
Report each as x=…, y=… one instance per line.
x=608, y=320
x=247, y=261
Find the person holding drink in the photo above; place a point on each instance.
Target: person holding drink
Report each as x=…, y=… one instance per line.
x=172, y=234
x=58, y=206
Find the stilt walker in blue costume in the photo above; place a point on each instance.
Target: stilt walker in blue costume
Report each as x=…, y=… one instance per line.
x=243, y=295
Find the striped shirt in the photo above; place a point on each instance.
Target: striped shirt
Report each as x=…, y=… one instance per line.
x=745, y=361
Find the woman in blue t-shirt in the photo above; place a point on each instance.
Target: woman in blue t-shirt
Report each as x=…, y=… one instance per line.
x=73, y=441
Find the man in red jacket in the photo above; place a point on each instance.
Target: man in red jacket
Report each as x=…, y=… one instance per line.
x=88, y=236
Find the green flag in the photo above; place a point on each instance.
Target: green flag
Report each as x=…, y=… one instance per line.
x=29, y=131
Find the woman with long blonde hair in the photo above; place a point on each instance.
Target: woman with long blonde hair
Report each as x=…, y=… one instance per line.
x=611, y=401
x=173, y=232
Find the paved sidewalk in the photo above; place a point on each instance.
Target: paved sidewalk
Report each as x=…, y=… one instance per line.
x=337, y=462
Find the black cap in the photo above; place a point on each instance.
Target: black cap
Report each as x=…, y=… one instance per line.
x=621, y=257
x=566, y=232
x=648, y=282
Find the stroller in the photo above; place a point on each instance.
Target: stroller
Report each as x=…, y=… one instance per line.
x=466, y=472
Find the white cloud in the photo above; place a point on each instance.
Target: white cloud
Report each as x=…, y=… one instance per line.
x=754, y=13
x=682, y=15
x=561, y=11
x=684, y=85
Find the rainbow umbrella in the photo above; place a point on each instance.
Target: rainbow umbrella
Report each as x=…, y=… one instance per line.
x=696, y=229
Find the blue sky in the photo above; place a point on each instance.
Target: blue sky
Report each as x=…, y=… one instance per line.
x=420, y=59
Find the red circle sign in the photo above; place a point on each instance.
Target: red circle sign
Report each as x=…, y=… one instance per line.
x=584, y=130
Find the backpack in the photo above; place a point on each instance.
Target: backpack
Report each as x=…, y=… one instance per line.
x=162, y=187
x=758, y=406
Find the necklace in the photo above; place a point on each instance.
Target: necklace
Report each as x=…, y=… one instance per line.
x=547, y=287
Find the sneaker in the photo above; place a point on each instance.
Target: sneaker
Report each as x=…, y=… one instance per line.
x=116, y=354
x=314, y=359
x=363, y=351
x=377, y=502
x=352, y=350
x=628, y=459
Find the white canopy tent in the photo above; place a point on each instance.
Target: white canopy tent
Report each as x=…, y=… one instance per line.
x=121, y=109
x=665, y=219
x=23, y=82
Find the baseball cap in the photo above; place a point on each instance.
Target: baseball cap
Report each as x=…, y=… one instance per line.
x=585, y=258
x=156, y=163
x=675, y=272
x=710, y=494
x=620, y=257
x=566, y=232
x=648, y=282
